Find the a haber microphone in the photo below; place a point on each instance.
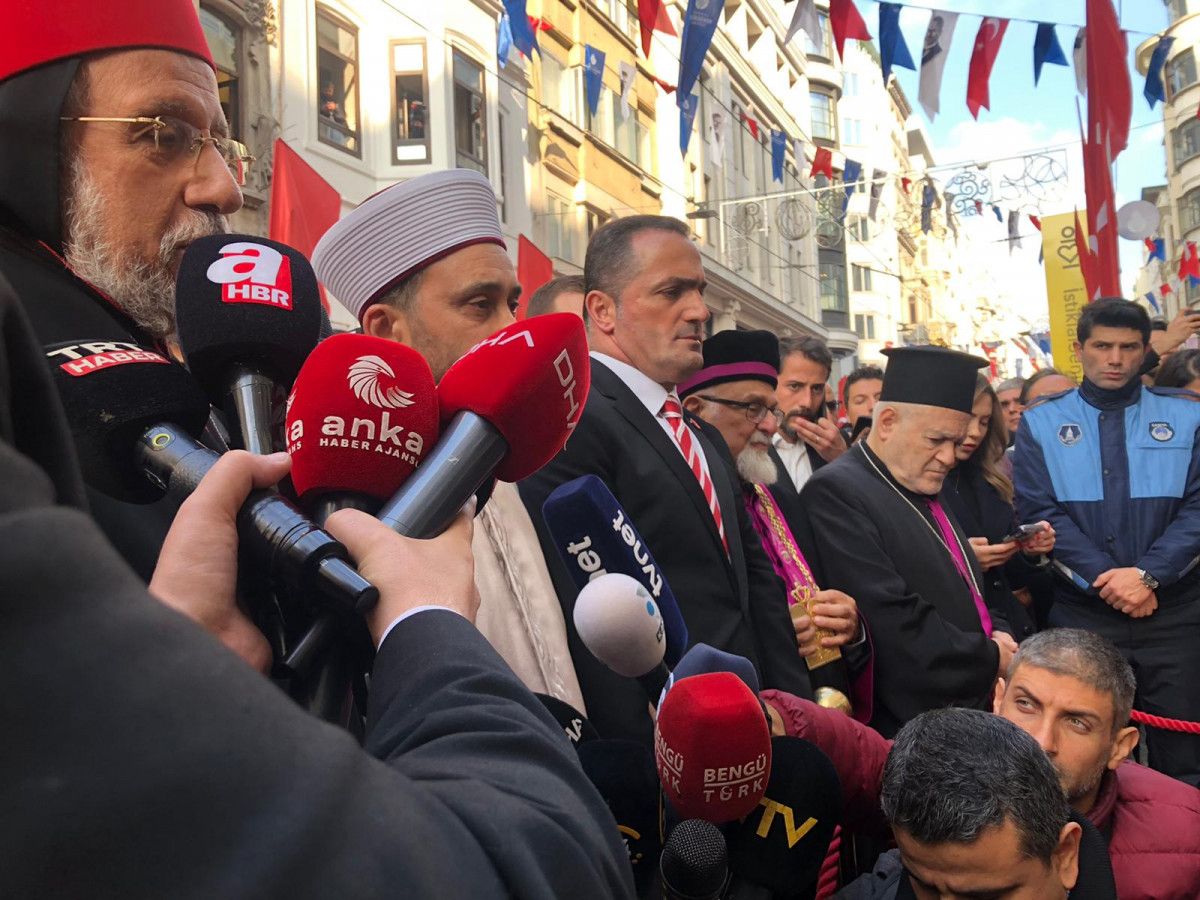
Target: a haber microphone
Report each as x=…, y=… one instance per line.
x=248, y=312
x=695, y=862
x=620, y=624
x=777, y=850
x=362, y=415
x=134, y=414
x=507, y=407
x=594, y=536
x=623, y=773
x=712, y=747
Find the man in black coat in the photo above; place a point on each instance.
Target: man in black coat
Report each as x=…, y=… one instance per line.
x=645, y=312
x=872, y=527
x=807, y=438
x=143, y=759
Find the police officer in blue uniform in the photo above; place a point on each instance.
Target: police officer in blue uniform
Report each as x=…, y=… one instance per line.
x=1115, y=468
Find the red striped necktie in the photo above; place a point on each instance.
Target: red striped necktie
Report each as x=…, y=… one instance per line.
x=673, y=414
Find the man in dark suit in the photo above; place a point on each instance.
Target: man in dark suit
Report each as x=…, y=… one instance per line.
x=673, y=474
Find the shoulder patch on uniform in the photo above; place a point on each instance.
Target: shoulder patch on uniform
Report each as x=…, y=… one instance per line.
x=1161, y=431
x=1069, y=434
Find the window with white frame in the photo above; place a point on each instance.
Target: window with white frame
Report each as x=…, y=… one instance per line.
x=861, y=277
x=560, y=227
x=224, y=37
x=337, y=82
x=818, y=44
x=410, y=103
x=864, y=326
x=560, y=88
x=824, y=115
x=1181, y=72
x=470, y=114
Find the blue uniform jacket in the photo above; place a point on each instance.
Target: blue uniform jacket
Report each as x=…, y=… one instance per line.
x=1117, y=473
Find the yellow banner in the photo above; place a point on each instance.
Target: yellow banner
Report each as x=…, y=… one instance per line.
x=1065, y=290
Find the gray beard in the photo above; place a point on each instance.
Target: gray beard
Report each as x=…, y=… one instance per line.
x=143, y=290
x=755, y=466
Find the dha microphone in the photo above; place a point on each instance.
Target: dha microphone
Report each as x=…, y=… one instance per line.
x=360, y=416
x=133, y=414
x=507, y=407
x=712, y=748
x=623, y=773
x=573, y=723
x=619, y=622
x=248, y=312
x=595, y=536
x=779, y=848
x=695, y=862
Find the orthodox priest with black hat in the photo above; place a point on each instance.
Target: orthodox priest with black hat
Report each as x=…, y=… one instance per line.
x=871, y=525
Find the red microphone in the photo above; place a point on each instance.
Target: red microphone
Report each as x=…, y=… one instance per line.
x=507, y=407
x=361, y=417
x=712, y=748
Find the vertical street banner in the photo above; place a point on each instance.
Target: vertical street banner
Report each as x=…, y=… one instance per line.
x=699, y=26
x=1066, y=293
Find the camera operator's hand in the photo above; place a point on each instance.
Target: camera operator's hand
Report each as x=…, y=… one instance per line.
x=197, y=568
x=409, y=572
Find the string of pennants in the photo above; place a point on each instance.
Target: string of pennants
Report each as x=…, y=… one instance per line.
x=1187, y=269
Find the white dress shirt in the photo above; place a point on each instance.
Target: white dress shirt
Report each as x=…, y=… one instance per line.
x=795, y=459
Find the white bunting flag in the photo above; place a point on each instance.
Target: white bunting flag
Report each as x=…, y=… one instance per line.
x=804, y=18
x=717, y=130
x=933, y=58
x=1080, y=56
x=628, y=77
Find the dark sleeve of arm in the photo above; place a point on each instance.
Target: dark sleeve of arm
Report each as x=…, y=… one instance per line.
x=1035, y=501
x=925, y=661
x=856, y=751
x=1176, y=549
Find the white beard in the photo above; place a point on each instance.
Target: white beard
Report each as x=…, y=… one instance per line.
x=755, y=466
x=144, y=291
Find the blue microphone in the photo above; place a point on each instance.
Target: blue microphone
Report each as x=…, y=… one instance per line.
x=594, y=536
x=702, y=659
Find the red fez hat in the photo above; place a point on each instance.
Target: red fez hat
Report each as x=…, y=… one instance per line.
x=36, y=33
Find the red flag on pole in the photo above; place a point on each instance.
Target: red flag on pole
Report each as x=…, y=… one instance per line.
x=303, y=204
x=534, y=269
x=846, y=22
x=822, y=162
x=983, y=57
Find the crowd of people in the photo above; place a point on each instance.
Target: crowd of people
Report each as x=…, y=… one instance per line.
x=956, y=590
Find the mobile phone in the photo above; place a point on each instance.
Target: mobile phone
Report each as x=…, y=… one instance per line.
x=1024, y=532
x=863, y=423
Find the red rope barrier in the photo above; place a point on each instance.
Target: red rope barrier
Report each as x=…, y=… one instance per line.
x=1165, y=724
x=827, y=881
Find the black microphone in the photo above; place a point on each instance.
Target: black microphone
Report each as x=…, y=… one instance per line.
x=695, y=862
x=778, y=850
x=248, y=312
x=623, y=772
x=573, y=723
x=134, y=413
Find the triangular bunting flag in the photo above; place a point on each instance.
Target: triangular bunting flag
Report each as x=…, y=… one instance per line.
x=1153, y=91
x=1046, y=49
x=983, y=57
x=822, y=163
x=933, y=59
x=846, y=22
x=804, y=19
x=892, y=49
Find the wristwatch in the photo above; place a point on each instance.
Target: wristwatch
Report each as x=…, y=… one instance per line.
x=1147, y=579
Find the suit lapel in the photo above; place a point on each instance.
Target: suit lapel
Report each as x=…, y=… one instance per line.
x=783, y=480
x=723, y=484
x=631, y=409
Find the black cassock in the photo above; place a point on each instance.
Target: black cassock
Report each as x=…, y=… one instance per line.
x=860, y=535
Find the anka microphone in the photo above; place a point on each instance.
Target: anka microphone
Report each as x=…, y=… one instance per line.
x=361, y=414
x=779, y=848
x=133, y=414
x=507, y=407
x=712, y=747
x=620, y=624
x=573, y=723
x=594, y=536
x=702, y=659
x=248, y=312
x=695, y=862
x=623, y=773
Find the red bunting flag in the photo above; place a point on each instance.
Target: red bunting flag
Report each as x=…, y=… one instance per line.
x=1037, y=223
x=905, y=183
x=539, y=24
x=822, y=163
x=983, y=57
x=1164, y=289
x=669, y=88
x=751, y=124
x=979, y=207
x=846, y=22
x=1189, y=262
x=1086, y=260
x=652, y=17
x=1150, y=245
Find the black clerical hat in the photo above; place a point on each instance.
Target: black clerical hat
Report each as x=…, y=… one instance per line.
x=736, y=356
x=931, y=376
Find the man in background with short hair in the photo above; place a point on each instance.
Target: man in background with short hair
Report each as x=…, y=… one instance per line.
x=561, y=294
x=807, y=438
x=1008, y=392
x=860, y=394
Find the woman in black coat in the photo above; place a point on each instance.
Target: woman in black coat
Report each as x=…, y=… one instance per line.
x=980, y=493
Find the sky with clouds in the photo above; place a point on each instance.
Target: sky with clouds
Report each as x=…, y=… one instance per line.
x=1023, y=117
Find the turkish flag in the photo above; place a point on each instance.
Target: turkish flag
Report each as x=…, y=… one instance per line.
x=846, y=22
x=822, y=162
x=534, y=269
x=303, y=204
x=983, y=57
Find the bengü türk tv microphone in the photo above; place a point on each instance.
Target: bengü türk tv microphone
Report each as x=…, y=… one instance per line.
x=248, y=312
x=620, y=624
x=507, y=407
x=694, y=863
x=361, y=416
x=712, y=747
x=134, y=414
x=594, y=536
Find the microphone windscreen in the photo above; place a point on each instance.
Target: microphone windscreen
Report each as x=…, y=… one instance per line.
x=530, y=381
x=360, y=417
x=782, y=844
x=593, y=534
x=112, y=392
x=619, y=622
x=712, y=748
x=702, y=659
x=695, y=861
x=623, y=773
x=573, y=723
x=244, y=300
